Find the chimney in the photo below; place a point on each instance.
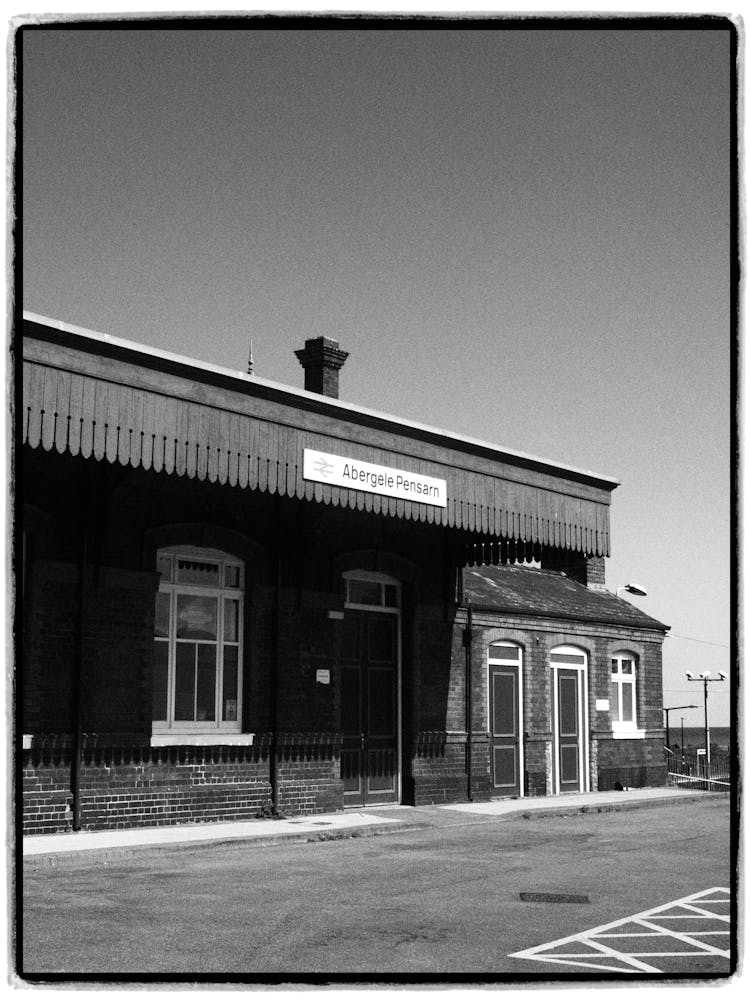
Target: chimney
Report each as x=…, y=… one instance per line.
x=321, y=358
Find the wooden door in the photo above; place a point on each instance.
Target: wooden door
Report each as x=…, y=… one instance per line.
x=569, y=730
x=504, y=730
x=369, y=675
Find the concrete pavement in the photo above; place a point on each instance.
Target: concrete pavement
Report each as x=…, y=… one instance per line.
x=52, y=848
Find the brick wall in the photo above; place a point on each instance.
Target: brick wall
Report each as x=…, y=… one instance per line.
x=45, y=779
x=632, y=763
x=131, y=784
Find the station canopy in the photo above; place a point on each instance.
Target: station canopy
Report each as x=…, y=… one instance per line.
x=116, y=401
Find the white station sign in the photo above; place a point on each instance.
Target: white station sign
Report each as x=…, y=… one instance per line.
x=336, y=470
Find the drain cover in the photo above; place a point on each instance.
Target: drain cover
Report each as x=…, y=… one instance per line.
x=553, y=897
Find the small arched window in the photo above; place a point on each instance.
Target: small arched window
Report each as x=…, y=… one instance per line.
x=622, y=692
x=197, y=678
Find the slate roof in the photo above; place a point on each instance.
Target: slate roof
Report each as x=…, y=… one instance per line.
x=525, y=590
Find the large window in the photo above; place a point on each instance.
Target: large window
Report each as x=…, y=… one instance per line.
x=197, y=683
x=622, y=692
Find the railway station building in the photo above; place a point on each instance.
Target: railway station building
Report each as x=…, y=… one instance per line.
x=241, y=599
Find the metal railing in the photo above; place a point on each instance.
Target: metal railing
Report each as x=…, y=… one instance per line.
x=692, y=771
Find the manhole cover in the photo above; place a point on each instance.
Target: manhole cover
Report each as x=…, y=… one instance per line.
x=553, y=897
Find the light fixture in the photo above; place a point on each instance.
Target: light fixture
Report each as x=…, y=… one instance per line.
x=633, y=588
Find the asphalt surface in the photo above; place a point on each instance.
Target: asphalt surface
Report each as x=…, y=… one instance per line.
x=438, y=903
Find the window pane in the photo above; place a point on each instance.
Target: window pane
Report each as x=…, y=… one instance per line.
x=161, y=624
x=391, y=595
x=231, y=576
x=196, y=617
x=203, y=574
x=231, y=616
x=206, y=690
x=230, y=684
x=614, y=702
x=627, y=666
x=364, y=592
x=164, y=566
x=184, y=682
x=627, y=703
x=159, y=703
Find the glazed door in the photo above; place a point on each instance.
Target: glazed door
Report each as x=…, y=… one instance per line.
x=504, y=730
x=568, y=730
x=369, y=672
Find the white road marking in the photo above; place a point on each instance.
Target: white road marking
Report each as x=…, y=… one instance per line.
x=588, y=946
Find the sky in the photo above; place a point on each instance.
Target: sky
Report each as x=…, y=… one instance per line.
x=519, y=235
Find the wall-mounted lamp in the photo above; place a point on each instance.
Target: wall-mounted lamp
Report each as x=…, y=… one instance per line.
x=633, y=588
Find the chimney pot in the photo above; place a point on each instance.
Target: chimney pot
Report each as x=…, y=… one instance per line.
x=322, y=359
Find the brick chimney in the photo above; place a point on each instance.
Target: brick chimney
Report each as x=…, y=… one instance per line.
x=322, y=358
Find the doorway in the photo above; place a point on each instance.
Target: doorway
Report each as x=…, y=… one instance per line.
x=370, y=709
x=570, y=719
x=505, y=700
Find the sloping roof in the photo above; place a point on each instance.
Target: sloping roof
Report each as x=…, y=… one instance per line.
x=97, y=396
x=525, y=590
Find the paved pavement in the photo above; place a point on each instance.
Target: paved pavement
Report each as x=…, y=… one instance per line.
x=51, y=848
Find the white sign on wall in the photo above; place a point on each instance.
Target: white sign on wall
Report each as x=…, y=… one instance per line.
x=337, y=470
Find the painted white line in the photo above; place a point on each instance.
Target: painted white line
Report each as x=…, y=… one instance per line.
x=626, y=957
x=650, y=920
x=688, y=939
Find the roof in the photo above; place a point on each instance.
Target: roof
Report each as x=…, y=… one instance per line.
x=526, y=590
x=103, y=397
x=350, y=409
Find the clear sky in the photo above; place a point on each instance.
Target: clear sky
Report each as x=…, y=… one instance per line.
x=519, y=235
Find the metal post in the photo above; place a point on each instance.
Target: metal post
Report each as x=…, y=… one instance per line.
x=705, y=722
x=682, y=740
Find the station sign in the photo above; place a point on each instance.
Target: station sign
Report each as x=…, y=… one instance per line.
x=338, y=470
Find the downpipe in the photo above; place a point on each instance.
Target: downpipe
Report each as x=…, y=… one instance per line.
x=467, y=638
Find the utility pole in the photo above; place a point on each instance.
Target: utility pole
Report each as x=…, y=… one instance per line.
x=706, y=679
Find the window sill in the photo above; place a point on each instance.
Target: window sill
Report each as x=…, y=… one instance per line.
x=202, y=739
x=629, y=734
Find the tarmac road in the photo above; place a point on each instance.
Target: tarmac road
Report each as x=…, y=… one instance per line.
x=430, y=904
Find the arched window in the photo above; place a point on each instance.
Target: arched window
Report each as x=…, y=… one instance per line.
x=197, y=679
x=622, y=692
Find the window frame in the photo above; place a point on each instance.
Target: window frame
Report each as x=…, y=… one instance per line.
x=383, y=581
x=170, y=727
x=617, y=679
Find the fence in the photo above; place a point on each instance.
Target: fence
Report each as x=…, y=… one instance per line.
x=692, y=770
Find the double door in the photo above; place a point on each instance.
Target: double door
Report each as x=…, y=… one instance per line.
x=369, y=707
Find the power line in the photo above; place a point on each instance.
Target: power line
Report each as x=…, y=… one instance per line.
x=676, y=635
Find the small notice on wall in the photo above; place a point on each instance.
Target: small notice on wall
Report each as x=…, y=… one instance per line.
x=602, y=704
x=323, y=676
